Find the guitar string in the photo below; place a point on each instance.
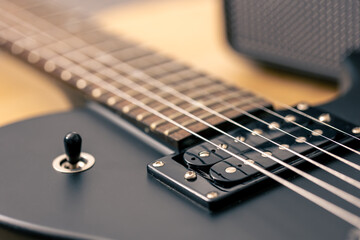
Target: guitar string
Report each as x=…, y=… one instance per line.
x=315, y=119
x=194, y=102
x=347, y=162
x=345, y=178
x=324, y=123
x=334, y=209
x=333, y=189
x=302, y=126
x=271, y=112
x=148, y=93
x=179, y=124
x=284, y=105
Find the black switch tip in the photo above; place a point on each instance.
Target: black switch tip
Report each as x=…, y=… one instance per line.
x=72, y=144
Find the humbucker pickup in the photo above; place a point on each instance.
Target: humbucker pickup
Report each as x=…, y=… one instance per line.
x=211, y=176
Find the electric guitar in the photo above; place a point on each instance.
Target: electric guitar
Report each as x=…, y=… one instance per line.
x=168, y=152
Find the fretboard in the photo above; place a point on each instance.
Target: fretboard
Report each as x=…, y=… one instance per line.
x=76, y=51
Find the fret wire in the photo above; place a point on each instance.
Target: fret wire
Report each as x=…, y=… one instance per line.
x=196, y=94
x=110, y=76
x=176, y=77
x=25, y=18
x=127, y=54
x=50, y=47
x=26, y=4
x=191, y=121
x=47, y=10
x=178, y=114
x=61, y=10
x=205, y=115
x=38, y=34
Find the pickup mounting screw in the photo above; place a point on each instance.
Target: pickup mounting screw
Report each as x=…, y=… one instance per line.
x=212, y=195
x=325, y=117
x=204, y=154
x=356, y=130
x=190, y=175
x=158, y=164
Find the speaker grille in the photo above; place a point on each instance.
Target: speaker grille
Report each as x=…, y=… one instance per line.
x=308, y=35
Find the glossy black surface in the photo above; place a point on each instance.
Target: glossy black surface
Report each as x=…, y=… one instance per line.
x=72, y=145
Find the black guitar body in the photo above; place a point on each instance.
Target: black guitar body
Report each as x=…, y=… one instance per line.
x=117, y=199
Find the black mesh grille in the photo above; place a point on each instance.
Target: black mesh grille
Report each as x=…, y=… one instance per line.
x=309, y=35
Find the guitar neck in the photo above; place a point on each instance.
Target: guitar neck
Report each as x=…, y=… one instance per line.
x=75, y=50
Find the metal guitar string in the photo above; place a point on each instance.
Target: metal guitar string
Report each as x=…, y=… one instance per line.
x=334, y=209
x=194, y=102
x=137, y=86
x=317, y=120
x=347, y=162
x=340, y=193
x=344, y=177
x=308, y=129
x=345, y=215
x=271, y=112
x=157, y=113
